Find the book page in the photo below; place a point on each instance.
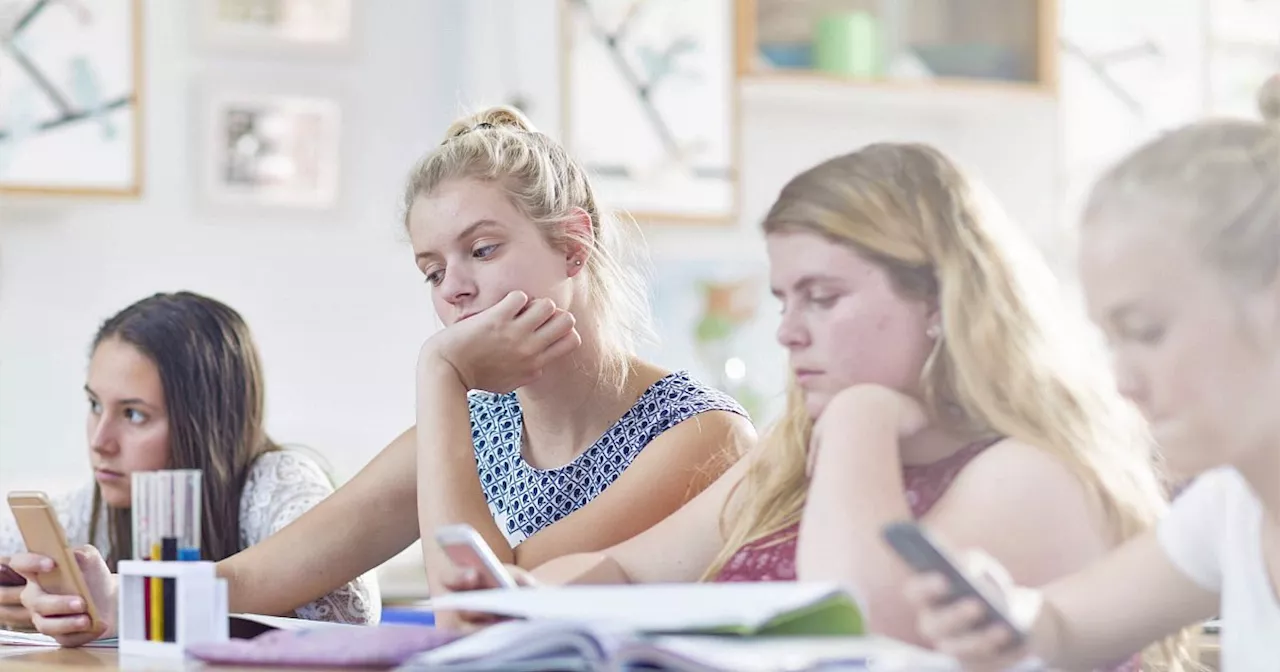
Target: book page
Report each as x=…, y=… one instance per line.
x=14, y=638
x=651, y=608
x=763, y=654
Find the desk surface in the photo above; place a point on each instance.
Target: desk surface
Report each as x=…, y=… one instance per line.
x=67, y=660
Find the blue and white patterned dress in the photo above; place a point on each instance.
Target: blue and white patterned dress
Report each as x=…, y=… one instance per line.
x=524, y=499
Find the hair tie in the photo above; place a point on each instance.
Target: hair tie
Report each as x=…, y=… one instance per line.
x=481, y=125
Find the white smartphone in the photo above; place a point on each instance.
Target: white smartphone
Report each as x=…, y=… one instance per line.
x=466, y=549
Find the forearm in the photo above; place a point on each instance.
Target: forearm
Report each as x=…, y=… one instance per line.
x=357, y=528
x=582, y=568
x=856, y=490
x=449, y=491
x=1116, y=608
x=1054, y=641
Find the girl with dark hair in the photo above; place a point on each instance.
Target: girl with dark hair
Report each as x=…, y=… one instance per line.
x=175, y=382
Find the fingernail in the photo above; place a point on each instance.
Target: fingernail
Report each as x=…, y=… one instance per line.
x=469, y=574
x=77, y=604
x=46, y=565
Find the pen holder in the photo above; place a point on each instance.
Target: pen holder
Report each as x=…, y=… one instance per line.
x=167, y=606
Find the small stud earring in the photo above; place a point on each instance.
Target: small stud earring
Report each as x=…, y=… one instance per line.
x=934, y=331
x=577, y=263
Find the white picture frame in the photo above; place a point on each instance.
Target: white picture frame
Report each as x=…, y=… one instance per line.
x=278, y=28
x=670, y=154
x=260, y=148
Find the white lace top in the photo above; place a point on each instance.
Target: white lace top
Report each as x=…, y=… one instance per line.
x=282, y=485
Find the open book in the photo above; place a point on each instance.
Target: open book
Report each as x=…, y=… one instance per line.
x=781, y=608
x=543, y=646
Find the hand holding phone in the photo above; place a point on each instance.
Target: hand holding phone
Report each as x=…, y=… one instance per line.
x=914, y=545
x=43, y=535
x=467, y=550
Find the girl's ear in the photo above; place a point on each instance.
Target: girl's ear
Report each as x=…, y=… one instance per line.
x=579, y=241
x=933, y=325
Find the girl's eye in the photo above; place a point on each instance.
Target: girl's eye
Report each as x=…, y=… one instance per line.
x=134, y=416
x=1148, y=336
x=95, y=407
x=823, y=300
x=434, y=278
x=484, y=252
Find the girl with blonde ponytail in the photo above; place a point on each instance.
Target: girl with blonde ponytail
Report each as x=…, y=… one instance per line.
x=935, y=378
x=1180, y=263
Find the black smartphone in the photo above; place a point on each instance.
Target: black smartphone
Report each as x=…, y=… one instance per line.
x=10, y=578
x=913, y=544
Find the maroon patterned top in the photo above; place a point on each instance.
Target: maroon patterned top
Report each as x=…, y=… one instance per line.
x=773, y=558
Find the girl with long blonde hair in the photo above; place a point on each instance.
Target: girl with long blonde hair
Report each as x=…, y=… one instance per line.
x=935, y=377
x=1180, y=263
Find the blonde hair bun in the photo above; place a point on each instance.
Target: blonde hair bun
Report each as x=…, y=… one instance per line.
x=498, y=116
x=1269, y=100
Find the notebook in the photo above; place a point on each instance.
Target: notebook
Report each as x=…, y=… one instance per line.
x=354, y=646
x=248, y=626
x=774, y=608
x=545, y=646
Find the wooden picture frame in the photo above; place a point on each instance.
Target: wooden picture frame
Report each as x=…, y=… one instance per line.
x=650, y=105
x=71, y=120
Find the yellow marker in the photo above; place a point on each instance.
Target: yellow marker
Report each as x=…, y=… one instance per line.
x=157, y=602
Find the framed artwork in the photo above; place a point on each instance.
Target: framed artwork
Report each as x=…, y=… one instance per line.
x=650, y=105
x=71, y=97
x=1128, y=72
x=270, y=149
x=277, y=27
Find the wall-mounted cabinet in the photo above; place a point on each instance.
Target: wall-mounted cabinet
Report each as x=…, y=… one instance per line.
x=954, y=43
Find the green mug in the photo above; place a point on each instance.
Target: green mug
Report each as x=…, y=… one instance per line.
x=848, y=44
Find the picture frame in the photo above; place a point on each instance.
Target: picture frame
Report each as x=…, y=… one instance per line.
x=263, y=148
x=650, y=105
x=277, y=28
x=71, y=114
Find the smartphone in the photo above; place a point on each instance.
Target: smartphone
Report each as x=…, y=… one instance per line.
x=914, y=545
x=43, y=534
x=467, y=550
